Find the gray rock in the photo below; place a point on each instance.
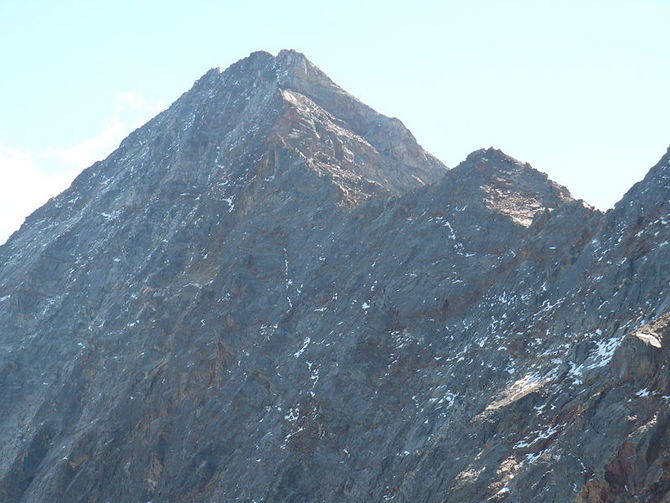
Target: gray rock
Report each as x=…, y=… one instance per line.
x=270, y=292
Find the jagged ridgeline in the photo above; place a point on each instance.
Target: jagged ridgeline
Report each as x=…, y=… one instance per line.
x=272, y=293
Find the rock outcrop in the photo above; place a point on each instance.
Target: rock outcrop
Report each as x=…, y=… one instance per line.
x=272, y=293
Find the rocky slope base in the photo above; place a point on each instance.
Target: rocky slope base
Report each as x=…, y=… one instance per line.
x=272, y=293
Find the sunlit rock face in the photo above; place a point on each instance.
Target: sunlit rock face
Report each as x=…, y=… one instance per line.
x=272, y=293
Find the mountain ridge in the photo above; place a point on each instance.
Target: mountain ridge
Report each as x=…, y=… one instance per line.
x=252, y=299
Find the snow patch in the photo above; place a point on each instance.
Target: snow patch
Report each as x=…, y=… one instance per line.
x=231, y=205
x=303, y=348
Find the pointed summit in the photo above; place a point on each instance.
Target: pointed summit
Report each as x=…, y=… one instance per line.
x=287, y=102
x=291, y=64
x=388, y=136
x=506, y=185
x=267, y=132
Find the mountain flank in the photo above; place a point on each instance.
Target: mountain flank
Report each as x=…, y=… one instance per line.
x=271, y=293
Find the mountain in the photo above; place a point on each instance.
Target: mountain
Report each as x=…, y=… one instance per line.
x=270, y=292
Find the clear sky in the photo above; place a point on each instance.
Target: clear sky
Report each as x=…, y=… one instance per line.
x=580, y=89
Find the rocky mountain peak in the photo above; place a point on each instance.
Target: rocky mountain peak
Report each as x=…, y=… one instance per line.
x=255, y=298
x=314, y=96
x=506, y=185
x=288, y=69
x=290, y=103
x=294, y=66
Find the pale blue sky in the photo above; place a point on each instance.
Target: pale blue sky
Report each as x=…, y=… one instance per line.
x=577, y=88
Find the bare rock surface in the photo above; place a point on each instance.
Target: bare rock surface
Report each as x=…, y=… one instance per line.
x=272, y=293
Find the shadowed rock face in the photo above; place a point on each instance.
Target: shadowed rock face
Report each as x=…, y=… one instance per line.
x=270, y=292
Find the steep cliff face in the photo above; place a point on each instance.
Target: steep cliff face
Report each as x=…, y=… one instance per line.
x=271, y=292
